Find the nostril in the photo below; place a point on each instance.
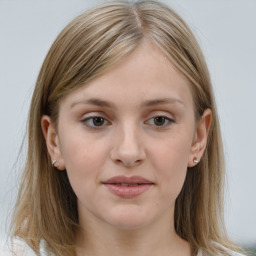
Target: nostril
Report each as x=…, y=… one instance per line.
x=128, y=163
x=128, y=153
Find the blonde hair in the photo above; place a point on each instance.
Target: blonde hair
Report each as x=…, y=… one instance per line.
x=46, y=209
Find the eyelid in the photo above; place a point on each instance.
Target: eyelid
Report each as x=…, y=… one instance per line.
x=163, y=113
x=93, y=114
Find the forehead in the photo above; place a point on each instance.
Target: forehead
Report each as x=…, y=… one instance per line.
x=144, y=75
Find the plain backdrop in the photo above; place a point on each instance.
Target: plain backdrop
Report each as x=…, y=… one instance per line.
x=226, y=30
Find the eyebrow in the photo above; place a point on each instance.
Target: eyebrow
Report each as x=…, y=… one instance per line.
x=150, y=103
x=93, y=101
x=147, y=103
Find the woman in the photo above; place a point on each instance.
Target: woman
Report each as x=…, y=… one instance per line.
x=124, y=150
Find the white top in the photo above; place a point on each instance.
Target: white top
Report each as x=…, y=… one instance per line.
x=21, y=249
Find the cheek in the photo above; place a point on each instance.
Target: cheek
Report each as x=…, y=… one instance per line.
x=170, y=160
x=78, y=148
x=83, y=159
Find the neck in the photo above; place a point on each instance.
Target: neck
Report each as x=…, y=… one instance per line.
x=156, y=239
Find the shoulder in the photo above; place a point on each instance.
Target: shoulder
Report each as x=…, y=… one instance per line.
x=225, y=251
x=228, y=251
x=16, y=248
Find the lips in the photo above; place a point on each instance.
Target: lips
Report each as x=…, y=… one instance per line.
x=128, y=187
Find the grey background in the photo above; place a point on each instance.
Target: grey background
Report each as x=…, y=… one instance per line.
x=226, y=31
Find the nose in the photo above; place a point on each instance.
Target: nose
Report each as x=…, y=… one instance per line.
x=128, y=148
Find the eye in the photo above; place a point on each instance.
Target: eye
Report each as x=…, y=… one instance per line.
x=160, y=121
x=95, y=121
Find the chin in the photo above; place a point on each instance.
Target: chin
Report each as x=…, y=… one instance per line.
x=129, y=219
x=128, y=224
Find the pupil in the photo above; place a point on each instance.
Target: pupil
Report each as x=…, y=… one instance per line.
x=159, y=120
x=98, y=121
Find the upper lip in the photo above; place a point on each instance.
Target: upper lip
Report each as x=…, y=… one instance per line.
x=127, y=180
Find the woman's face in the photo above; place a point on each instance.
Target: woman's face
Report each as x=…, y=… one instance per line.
x=126, y=140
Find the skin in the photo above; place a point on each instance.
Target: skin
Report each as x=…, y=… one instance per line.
x=129, y=141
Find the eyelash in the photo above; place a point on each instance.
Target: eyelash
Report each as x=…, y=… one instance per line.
x=167, y=121
x=86, y=121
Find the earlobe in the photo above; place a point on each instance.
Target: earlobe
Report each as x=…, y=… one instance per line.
x=52, y=142
x=200, y=138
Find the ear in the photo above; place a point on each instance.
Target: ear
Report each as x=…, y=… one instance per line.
x=52, y=142
x=200, y=138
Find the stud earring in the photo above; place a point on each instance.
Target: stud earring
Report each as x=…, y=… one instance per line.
x=54, y=162
x=195, y=160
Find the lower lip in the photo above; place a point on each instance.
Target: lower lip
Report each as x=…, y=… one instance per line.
x=128, y=191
